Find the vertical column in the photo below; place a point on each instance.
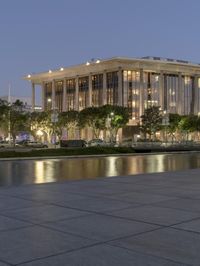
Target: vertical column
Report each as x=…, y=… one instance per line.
x=90, y=91
x=161, y=90
x=195, y=95
x=76, y=95
x=125, y=88
x=64, y=103
x=33, y=96
x=53, y=95
x=43, y=96
x=141, y=92
x=104, y=96
x=120, y=92
x=180, y=92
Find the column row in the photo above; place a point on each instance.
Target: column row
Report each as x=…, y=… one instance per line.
x=89, y=100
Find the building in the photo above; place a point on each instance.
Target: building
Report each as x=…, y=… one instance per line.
x=174, y=85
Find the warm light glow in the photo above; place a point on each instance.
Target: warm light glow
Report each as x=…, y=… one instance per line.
x=61, y=69
x=98, y=61
x=156, y=78
x=39, y=133
x=29, y=76
x=49, y=100
x=50, y=71
x=111, y=113
x=88, y=63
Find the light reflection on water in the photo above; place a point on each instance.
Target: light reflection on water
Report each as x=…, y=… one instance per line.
x=43, y=171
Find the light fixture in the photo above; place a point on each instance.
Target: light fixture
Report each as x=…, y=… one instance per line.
x=29, y=76
x=87, y=63
x=61, y=69
x=49, y=100
x=50, y=71
x=39, y=133
x=98, y=61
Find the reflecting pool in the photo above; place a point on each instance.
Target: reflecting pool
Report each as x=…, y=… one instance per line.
x=50, y=170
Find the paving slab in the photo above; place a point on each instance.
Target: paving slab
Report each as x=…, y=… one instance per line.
x=103, y=255
x=150, y=219
x=12, y=203
x=97, y=204
x=193, y=226
x=3, y=264
x=46, y=213
x=36, y=242
x=101, y=227
x=7, y=223
x=192, y=205
x=167, y=243
x=48, y=196
x=139, y=197
x=156, y=215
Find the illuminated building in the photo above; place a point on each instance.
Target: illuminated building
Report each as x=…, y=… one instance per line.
x=138, y=83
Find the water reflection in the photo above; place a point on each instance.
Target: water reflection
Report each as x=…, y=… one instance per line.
x=43, y=171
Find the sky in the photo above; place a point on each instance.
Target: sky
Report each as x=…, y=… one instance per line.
x=38, y=35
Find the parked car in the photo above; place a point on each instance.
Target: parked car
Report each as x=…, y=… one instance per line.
x=96, y=142
x=34, y=144
x=5, y=144
x=73, y=143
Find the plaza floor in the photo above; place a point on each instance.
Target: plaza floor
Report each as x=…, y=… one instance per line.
x=149, y=219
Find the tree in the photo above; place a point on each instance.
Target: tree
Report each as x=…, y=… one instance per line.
x=40, y=121
x=17, y=119
x=67, y=120
x=115, y=117
x=4, y=111
x=94, y=118
x=151, y=121
x=188, y=124
x=174, y=120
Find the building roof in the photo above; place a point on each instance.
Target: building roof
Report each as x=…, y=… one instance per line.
x=148, y=63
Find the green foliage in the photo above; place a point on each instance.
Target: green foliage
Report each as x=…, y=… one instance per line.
x=17, y=119
x=67, y=120
x=94, y=118
x=151, y=121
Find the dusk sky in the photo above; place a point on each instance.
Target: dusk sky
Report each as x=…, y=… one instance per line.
x=38, y=35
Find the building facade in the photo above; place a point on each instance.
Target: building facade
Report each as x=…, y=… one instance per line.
x=174, y=85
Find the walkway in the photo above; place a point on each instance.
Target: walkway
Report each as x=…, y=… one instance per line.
x=151, y=219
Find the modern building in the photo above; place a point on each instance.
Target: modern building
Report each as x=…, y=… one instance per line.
x=174, y=85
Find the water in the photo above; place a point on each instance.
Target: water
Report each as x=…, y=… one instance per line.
x=50, y=170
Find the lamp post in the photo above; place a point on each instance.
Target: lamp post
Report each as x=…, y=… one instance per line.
x=165, y=123
x=54, y=120
x=111, y=133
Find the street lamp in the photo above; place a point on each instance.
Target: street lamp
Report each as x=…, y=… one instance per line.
x=111, y=133
x=54, y=120
x=165, y=123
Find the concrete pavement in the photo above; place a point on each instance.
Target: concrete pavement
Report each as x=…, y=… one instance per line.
x=149, y=219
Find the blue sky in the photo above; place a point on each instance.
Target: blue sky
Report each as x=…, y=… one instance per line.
x=37, y=35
